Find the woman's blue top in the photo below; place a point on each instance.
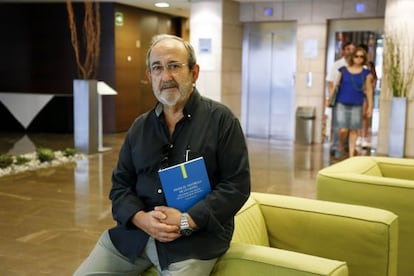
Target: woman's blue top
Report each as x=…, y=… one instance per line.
x=351, y=88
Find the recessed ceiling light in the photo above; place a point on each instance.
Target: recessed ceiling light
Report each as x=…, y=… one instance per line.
x=162, y=5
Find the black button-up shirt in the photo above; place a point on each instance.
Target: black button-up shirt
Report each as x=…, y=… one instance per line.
x=208, y=129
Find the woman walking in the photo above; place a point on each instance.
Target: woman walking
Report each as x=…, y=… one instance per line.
x=355, y=85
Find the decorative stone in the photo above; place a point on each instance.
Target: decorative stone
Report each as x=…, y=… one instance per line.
x=34, y=163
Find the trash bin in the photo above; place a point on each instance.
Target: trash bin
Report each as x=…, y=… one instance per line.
x=305, y=121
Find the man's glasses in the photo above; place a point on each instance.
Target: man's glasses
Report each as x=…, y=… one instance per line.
x=173, y=67
x=166, y=150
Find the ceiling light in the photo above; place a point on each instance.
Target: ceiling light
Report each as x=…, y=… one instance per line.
x=162, y=5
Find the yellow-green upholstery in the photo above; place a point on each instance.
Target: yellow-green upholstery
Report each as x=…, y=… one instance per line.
x=365, y=238
x=289, y=236
x=381, y=182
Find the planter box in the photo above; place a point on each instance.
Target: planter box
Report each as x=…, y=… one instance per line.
x=85, y=112
x=396, y=141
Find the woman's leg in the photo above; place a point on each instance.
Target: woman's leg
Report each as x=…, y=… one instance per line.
x=353, y=134
x=343, y=132
x=342, y=129
x=355, y=124
x=363, y=133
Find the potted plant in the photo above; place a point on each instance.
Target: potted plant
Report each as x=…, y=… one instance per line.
x=398, y=72
x=86, y=46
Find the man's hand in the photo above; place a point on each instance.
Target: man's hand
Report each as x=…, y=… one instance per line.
x=174, y=216
x=157, y=224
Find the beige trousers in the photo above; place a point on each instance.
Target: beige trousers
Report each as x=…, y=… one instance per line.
x=106, y=260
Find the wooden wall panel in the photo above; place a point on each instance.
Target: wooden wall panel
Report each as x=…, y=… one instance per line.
x=132, y=40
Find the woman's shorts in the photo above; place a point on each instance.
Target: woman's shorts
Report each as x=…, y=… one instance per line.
x=348, y=116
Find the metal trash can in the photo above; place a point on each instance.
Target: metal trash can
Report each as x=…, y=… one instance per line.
x=305, y=124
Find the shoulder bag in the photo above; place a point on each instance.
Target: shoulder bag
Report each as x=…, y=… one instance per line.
x=332, y=99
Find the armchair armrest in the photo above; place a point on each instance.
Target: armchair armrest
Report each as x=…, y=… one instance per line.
x=246, y=259
x=366, y=238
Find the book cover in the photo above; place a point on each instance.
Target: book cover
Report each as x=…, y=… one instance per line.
x=185, y=184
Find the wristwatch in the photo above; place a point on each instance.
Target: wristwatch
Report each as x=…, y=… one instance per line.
x=185, y=229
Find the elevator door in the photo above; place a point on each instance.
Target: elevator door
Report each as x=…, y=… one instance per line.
x=270, y=62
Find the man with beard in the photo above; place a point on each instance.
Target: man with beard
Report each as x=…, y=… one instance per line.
x=182, y=125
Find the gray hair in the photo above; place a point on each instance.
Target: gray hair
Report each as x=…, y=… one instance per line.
x=190, y=50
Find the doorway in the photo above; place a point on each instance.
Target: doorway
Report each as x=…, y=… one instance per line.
x=269, y=62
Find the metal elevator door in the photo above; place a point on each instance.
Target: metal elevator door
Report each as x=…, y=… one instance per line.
x=269, y=58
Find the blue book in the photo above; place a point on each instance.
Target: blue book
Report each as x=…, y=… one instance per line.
x=185, y=184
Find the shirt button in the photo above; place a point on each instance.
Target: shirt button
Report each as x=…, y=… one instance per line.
x=159, y=191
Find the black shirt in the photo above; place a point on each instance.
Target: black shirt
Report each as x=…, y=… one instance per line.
x=208, y=129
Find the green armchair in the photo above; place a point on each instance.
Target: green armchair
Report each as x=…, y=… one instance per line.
x=284, y=235
x=289, y=236
x=381, y=182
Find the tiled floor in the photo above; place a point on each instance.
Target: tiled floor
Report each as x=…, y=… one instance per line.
x=51, y=218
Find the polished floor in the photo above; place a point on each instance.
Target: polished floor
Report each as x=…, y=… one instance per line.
x=51, y=218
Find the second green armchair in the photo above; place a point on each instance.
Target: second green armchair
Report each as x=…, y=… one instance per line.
x=309, y=234
x=379, y=182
